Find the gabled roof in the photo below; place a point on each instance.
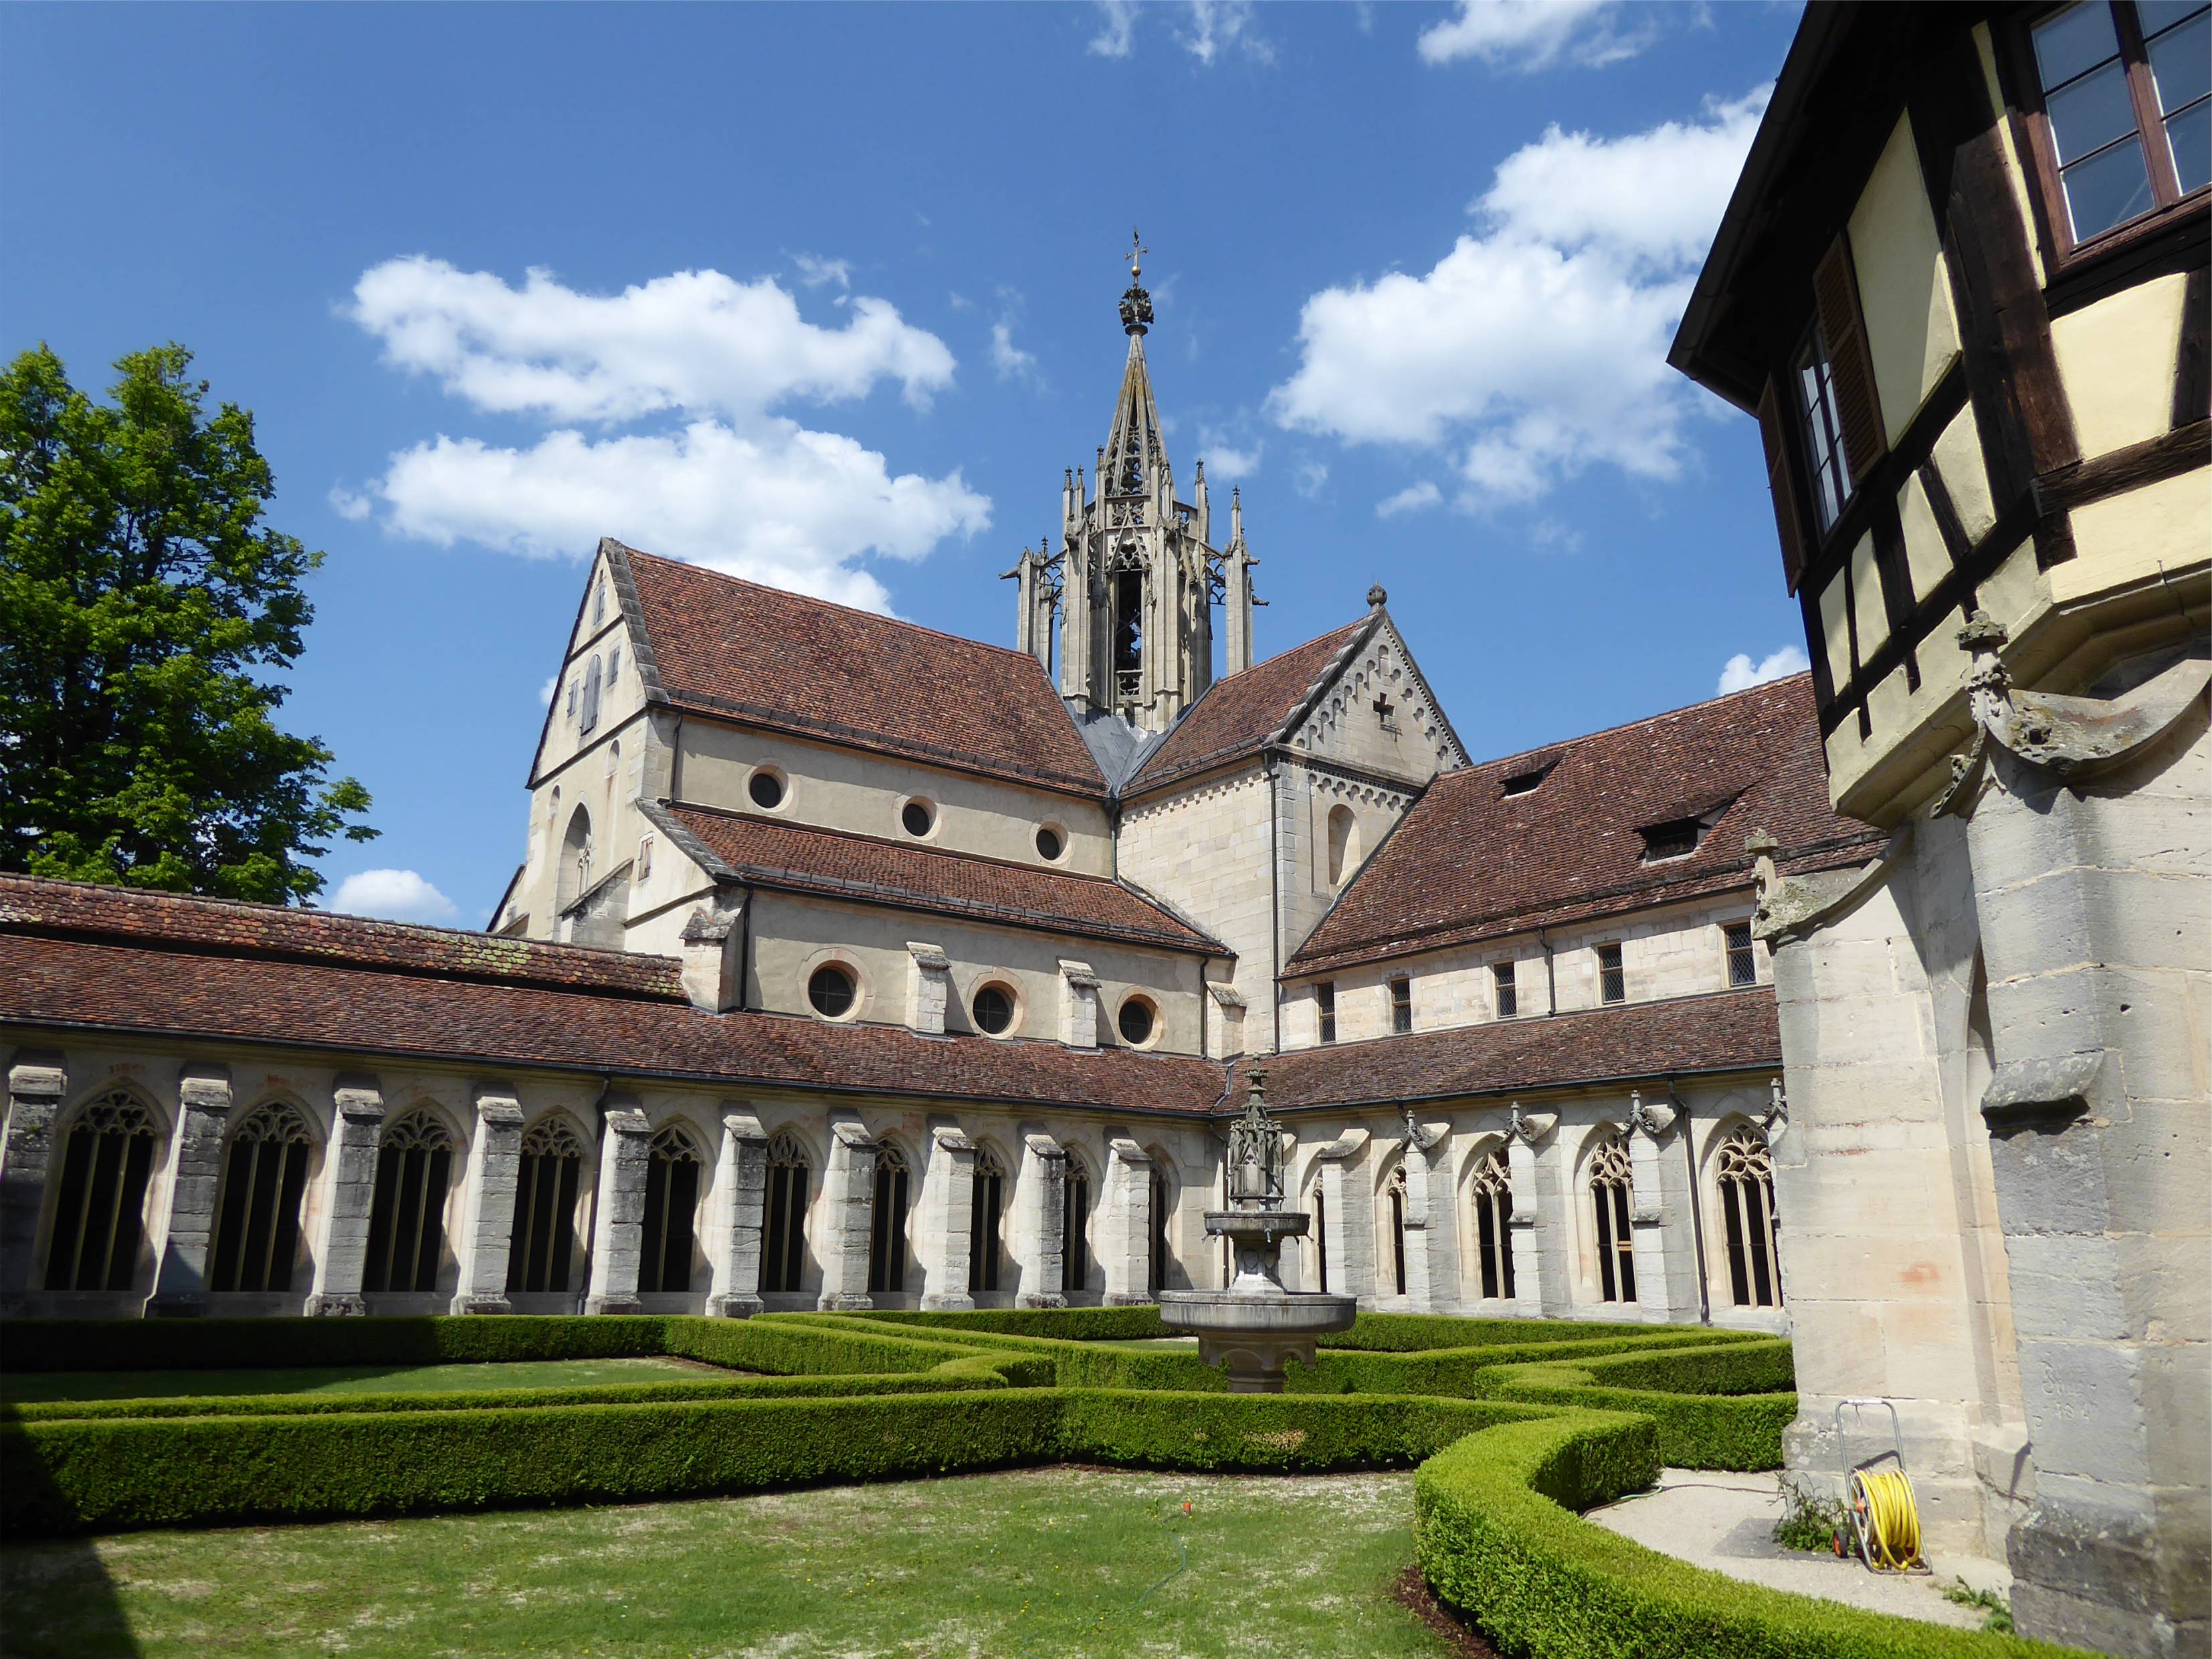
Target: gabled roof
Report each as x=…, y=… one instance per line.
x=1244, y=713
x=805, y=858
x=1732, y=1031
x=720, y=646
x=1469, y=862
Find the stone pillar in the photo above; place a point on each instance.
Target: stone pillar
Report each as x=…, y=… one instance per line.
x=742, y=1176
x=1659, y=1217
x=848, y=1204
x=1041, y=1222
x=1540, y=1284
x=1125, y=1225
x=1225, y=1031
x=1432, y=1220
x=188, y=1242
x=948, y=1215
x=1078, y=1004
x=928, y=987
x=37, y=1082
x=349, y=1186
x=495, y=1167
x=1348, y=1214
x=618, y=1211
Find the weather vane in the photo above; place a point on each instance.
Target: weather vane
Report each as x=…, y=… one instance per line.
x=1136, y=253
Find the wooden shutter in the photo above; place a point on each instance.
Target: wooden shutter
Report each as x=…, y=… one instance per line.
x=1788, y=518
x=1836, y=293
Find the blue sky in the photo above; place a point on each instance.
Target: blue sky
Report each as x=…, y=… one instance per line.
x=825, y=294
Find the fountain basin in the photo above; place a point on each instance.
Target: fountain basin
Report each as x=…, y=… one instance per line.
x=1254, y=1335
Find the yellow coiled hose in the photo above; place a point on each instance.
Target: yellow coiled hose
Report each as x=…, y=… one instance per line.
x=1888, y=1518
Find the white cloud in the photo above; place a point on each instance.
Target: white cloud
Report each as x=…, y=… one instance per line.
x=1213, y=28
x=1226, y=461
x=1538, y=345
x=694, y=340
x=1117, y=36
x=815, y=272
x=1309, y=477
x=350, y=505
x=545, y=692
x=1739, y=673
x=1411, y=499
x=1009, y=359
x=394, y=895
x=1534, y=34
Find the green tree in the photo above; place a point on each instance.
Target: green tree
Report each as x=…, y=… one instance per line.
x=145, y=611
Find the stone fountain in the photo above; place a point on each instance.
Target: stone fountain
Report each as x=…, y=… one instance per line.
x=1255, y=1327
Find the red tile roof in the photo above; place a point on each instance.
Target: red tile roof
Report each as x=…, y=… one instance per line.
x=720, y=646
x=1239, y=715
x=1469, y=862
x=802, y=857
x=195, y=983
x=1732, y=1030
x=274, y=932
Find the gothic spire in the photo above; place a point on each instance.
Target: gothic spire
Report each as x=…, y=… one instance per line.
x=1135, y=460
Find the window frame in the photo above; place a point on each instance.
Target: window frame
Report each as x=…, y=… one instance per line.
x=1729, y=930
x=1505, y=988
x=1814, y=353
x=1401, y=1003
x=2062, y=253
x=1325, y=1010
x=1612, y=976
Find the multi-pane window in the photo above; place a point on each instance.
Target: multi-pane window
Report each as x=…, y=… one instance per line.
x=987, y=1198
x=1401, y=1003
x=99, y=1213
x=1612, y=981
x=1823, y=426
x=1494, y=1210
x=1611, y=1185
x=1747, y=1183
x=1742, y=965
x=1397, y=1190
x=407, y=1217
x=1075, y=1244
x=672, y=1202
x=1509, y=992
x=2126, y=120
x=887, y=1224
x=257, y=1232
x=543, y=1245
x=1325, y=1005
x=783, y=1244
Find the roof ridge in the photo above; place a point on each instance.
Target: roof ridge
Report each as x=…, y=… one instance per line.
x=742, y=817
x=1625, y=725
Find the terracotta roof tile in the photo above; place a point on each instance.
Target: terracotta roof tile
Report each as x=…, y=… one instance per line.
x=769, y=852
x=1468, y=861
x=1238, y=714
x=158, y=920
x=731, y=647
x=1639, y=1040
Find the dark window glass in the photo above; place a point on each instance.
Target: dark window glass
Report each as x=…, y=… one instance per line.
x=1325, y=1001
x=2124, y=108
x=1320, y=1236
x=1823, y=426
x=1493, y=1213
x=258, y=1231
x=407, y=1215
x=887, y=1225
x=917, y=817
x=1136, y=1021
x=831, y=991
x=1509, y=993
x=1163, y=1208
x=1401, y=1004
x=1612, y=982
x=543, y=1245
x=1075, y=1248
x=99, y=1208
x=1742, y=965
x=1676, y=838
x=1049, y=844
x=783, y=1244
x=1610, y=1185
x=1521, y=783
x=766, y=789
x=987, y=1201
x=1747, y=1183
x=994, y=1010
x=671, y=1203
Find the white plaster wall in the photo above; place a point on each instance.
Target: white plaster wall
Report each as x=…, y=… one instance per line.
x=1207, y=853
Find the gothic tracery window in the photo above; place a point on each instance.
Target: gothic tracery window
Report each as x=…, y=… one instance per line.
x=671, y=1203
x=407, y=1217
x=1610, y=1184
x=1494, y=1212
x=99, y=1210
x=1396, y=1190
x=544, y=1242
x=887, y=1224
x=783, y=1241
x=987, y=1204
x=1747, y=1182
x=258, y=1231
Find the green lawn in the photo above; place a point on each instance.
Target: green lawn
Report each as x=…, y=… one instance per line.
x=1067, y=1562
x=1155, y=1344
x=363, y=1379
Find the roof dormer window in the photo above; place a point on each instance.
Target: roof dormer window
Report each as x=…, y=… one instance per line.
x=1527, y=782
x=1677, y=838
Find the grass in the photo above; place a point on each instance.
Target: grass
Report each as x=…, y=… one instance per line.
x=1073, y=1562
x=21, y=1387
x=1997, y=1612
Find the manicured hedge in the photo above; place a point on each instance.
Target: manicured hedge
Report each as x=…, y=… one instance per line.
x=1386, y=1333
x=1760, y=1366
x=1494, y=1534
x=153, y=1345
x=787, y=1344
x=1066, y=1324
x=1468, y=1371
x=1694, y=1430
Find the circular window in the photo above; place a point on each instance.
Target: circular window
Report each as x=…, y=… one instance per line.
x=1138, y=1022
x=766, y=788
x=832, y=990
x=994, y=1009
x=919, y=817
x=1050, y=844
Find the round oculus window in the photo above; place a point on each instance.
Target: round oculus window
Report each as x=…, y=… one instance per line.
x=994, y=1010
x=766, y=789
x=1136, y=1021
x=1049, y=845
x=918, y=817
x=831, y=991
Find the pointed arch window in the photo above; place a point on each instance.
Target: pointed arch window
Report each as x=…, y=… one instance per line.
x=1747, y=1183
x=1162, y=1256
x=1320, y=1234
x=1494, y=1212
x=783, y=1244
x=1075, y=1241
x=100, y=1212
x=257, y=1232
x=1395, y=1189
x=543, y=1245
x=671, y=1203
x=1610, y=1184
x=987, y=1206
x=887, y=1224
x=407, y=1218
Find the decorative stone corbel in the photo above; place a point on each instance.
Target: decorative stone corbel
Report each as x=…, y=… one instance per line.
x=1420, y=1137
x=1653, y=1121
x=1529, y=1127
x=1776, y=1123
x=928, y=989
x=1078, y=1004
x=714, y=966
x=2071, y=736
x=1792, y=905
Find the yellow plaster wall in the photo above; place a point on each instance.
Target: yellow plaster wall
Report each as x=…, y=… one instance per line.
x=1866, y=598
x=2116, y=359
x=2163, y=527
x=1835, y=631
x=1904, y=287
x=1966, y=474
x=1926, y=556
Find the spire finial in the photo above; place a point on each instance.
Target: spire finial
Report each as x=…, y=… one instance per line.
x=1376, y=599
x=1136, y=304
x=1135, y=257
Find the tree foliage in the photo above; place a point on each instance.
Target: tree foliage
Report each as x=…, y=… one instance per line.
x=145, y=612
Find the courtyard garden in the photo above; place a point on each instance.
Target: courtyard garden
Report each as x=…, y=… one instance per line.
x=1068, y=1482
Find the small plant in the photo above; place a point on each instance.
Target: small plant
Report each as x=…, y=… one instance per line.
x=1812, y=1524
x=1996, y=1611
